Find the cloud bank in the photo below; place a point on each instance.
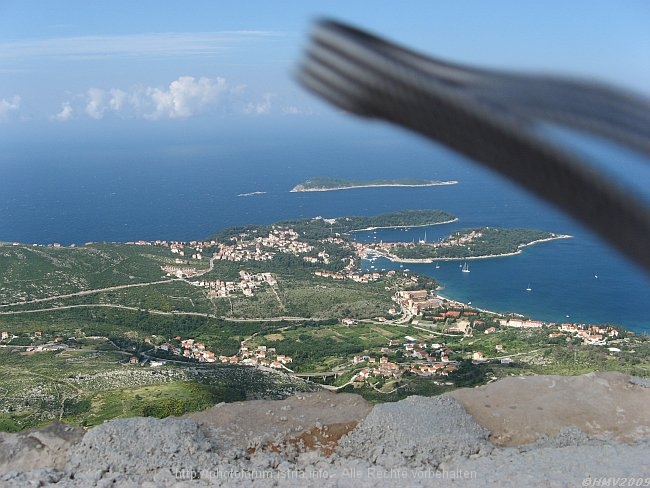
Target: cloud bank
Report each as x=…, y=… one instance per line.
x=184, y=97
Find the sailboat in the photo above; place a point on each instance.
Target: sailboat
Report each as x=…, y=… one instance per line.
x=437, y=266
x=529, y=288
x=465, y=268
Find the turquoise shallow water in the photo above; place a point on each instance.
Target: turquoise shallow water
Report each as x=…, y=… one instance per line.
x=177, y=187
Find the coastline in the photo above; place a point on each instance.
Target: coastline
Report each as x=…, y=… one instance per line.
x=404, y=226
x=468, y=305
x=397, y=259
x=296, y=188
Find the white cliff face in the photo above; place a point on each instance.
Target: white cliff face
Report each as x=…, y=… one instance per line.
x=337, y=440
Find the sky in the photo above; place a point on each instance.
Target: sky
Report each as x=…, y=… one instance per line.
x=136, y=63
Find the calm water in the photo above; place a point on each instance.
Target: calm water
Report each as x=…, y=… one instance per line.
x=182, y=185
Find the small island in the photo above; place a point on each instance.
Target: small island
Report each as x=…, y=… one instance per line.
x=330, y=184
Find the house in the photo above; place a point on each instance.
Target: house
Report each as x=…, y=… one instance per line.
x=420, y=354
x=133, y=360
x=478, y=356
x=499, y=347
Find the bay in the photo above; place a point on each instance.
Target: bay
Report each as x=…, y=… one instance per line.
x=163, y=183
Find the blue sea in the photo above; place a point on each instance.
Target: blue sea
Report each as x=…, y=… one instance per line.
x=181, y=181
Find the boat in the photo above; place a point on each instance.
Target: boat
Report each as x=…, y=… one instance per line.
x=465, y=268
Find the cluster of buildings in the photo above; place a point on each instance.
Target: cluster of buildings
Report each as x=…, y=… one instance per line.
x=590, y=334
x=521, y=324
x=416, y=301
x=247, y=284
x=427, y=360
x=259, y=356
x=179, y=271
x=322, y=257
x=55, y=344
x=350, y=275
x=189, y=348
x=284, y=240
x=454, y=240
x=178, y=247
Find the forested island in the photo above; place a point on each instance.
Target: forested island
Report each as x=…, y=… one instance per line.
x=328, y=184
x=476, y=243
x=320, y=227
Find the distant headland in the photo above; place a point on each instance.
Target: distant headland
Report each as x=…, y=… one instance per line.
x=330, y=184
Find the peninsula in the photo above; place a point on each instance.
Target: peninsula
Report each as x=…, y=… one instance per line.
x=484, y=242
x=329, y=184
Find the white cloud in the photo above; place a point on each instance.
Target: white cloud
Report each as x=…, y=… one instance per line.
x=8, y=105
x=65, y=113
x=95, y=106
x=186, y=97
x=259, y=108
x=117, y=100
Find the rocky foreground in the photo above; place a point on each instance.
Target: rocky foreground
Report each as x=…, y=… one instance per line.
x=591, y=430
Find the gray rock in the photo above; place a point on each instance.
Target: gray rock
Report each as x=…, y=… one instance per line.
x=45, y=447
x=415, y=432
